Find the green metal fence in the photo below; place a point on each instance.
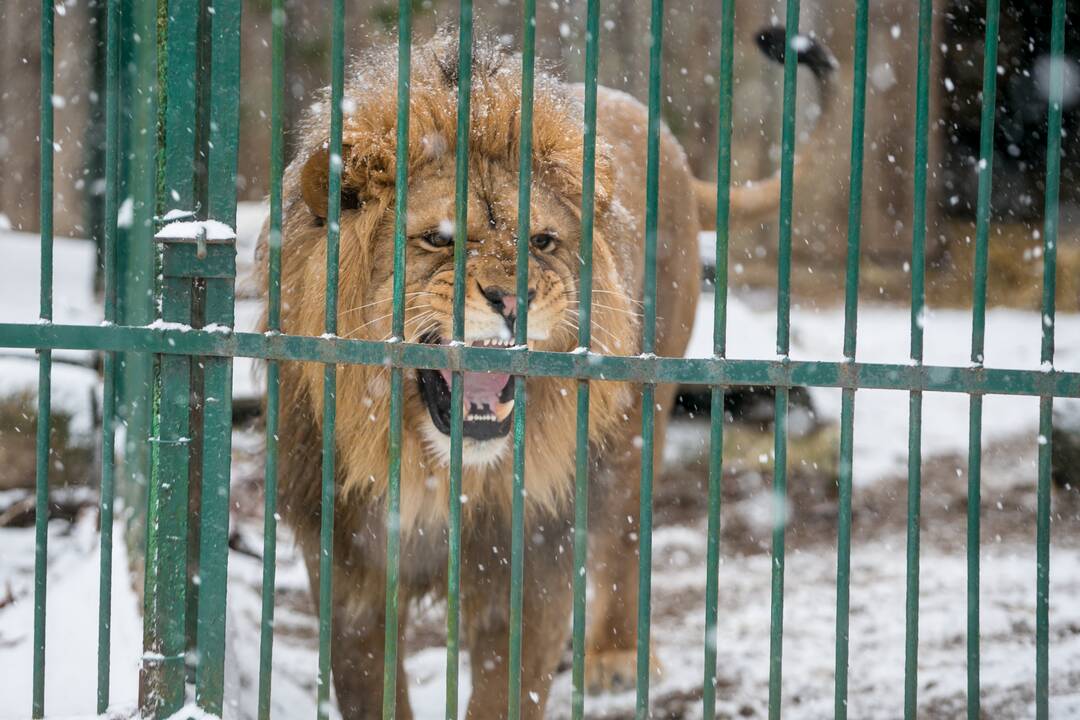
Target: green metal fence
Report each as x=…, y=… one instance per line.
x=169, y=380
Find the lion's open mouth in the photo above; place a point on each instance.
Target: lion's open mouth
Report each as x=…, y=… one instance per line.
x=488, y=398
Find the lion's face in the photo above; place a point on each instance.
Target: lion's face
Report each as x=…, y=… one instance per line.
x=491, y=311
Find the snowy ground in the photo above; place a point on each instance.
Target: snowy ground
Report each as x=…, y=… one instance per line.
x=878, y=565
x=72, y=620
x=877, y=601
x=1012, y=341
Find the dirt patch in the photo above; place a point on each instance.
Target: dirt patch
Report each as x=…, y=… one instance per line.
x=878, y=510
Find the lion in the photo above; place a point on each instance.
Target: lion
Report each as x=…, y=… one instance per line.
x=363, y=392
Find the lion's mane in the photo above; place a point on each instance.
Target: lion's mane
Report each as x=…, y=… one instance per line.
x=363, y=392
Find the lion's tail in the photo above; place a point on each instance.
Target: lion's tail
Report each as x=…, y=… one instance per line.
x=754, y=199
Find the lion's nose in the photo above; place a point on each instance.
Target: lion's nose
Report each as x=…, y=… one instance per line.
x=504, y=301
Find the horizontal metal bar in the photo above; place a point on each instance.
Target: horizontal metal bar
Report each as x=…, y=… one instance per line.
x=703, y=371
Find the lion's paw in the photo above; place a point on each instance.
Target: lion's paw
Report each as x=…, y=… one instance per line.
x=616, y=670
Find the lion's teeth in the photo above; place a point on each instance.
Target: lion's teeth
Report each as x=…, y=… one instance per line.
x=493, y=342
x=482, y=418
x=503, y=410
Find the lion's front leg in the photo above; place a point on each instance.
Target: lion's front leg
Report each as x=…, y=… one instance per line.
x=611, y=657
x=357, y=643
x=614, y=516
x=545, y=626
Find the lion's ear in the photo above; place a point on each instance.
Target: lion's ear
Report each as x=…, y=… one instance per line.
x=315, y=182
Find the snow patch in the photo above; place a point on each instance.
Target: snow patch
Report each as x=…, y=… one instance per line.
x=214, y=230
x=881, y=416
x=72, y=621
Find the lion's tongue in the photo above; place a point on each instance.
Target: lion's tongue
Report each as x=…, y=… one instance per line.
x=481, y=389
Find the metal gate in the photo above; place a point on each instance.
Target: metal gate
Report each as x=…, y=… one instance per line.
x=168, y=337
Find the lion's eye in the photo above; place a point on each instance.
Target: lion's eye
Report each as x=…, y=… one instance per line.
x=437, y=239
x=543, y=241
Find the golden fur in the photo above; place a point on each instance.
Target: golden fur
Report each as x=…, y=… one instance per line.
x=363, y=396
x=366, y=272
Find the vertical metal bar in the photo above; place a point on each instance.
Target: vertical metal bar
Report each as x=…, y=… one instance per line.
x=843, y=553
x=41, y=526
x=1046, y=403
x=780, y=509
x=985, y=169
x=978, y=344
x=783, y=346
x=164, y=656
x=973, y=527
x=41, y=468
x=150, y=170
x=266, y=634
x=180, y=103
x=46, y=160
x=521, y=335
x=716, y=419
x=787, y=170
x=1053, y=180
x=914, y=497
x=199, y=128
x=918, y=243
x=851, y=319
x=273, y=381
x=461, y=237
x=652, y=176
x=168, y=527
x=648, y=347
x=581, y=449
x=918, y=314
x=393, y=510
x=214, y=539
x=333, y=237
x=138, y=105
x=41, y=529
x=224, y=115
x=1042, y=559
x=124, y=267
x=108, y=419
x=723, y=179
x=224, y=110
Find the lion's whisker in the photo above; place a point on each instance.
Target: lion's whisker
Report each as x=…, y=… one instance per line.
x=385, y=300
x=430, y=318
x=610, y=292
x=613, y=309
x=596, y=325
x=355, y=330
x=369, y=322
x=574, y=327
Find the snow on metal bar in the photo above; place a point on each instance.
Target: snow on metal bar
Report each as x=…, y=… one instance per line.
x=210, y=230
